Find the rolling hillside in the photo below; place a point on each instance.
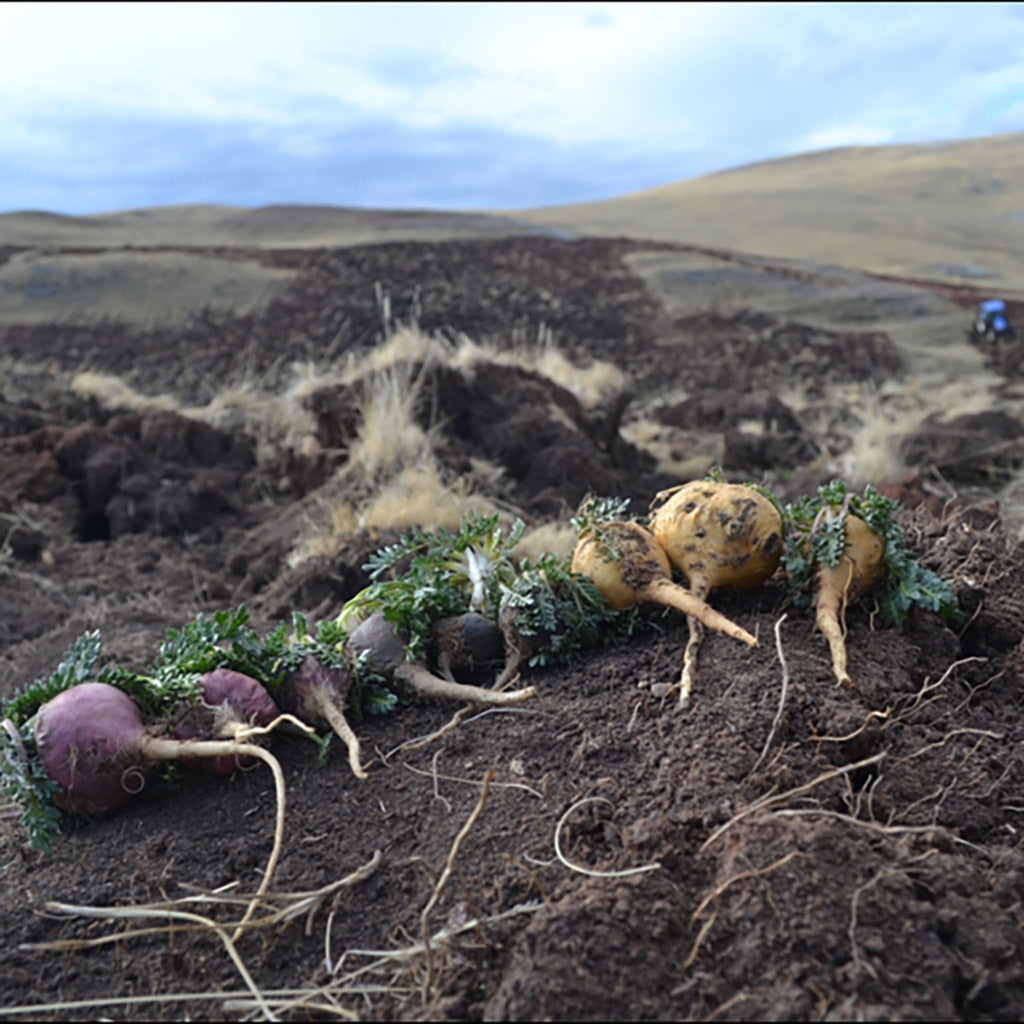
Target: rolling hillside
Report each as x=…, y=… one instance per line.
x=950, y=211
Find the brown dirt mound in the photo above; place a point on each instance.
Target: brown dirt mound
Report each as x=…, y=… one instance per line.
x=782, y=849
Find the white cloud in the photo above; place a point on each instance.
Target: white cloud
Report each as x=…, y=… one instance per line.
x=844, y=135
x=665, y=89
x=562, y=70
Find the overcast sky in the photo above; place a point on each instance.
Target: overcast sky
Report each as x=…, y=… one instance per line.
x=472, y=106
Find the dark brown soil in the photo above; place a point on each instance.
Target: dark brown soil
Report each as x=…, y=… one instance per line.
x=787, y=849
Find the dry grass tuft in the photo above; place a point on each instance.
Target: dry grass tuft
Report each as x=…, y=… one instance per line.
x=403, y=343
x=415, y=496
x=684, y=454
x=280, y=416
x=590, y=383
x=397, y=457
x=390, y=439
x=882, y=421
x=418, y=496
x=114, y=392
x=557, y=537
x=392, y=455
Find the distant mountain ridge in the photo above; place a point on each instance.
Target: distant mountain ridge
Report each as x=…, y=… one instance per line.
x=948, y=211
x=274, y=226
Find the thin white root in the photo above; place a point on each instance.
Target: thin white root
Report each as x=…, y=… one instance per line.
x=273, y=764
x=752, y=873
x=763, y=803
x=449, y=864
x=295, y=905
x=690, y=660
x=308, y=902
x=453, y=723
x=179, y=915
x=161, y=748
x=435, y=775
x=177, y=920
x=624, y=873
x=247, y=732
x=782, y=695
x=423, y=741
x=342, y=729
x=701, y=935
x=878, y=877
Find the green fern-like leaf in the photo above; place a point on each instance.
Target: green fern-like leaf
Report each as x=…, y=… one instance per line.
x=448, y=573
x=816, y=536
x=77, y=666
x=25, y=782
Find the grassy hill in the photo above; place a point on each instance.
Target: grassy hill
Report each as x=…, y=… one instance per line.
x=278, y=226
x=951, y=211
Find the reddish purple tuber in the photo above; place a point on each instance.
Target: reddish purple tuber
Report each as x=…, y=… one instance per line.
x=317, y=694
x=90, y=740
x=240, y=701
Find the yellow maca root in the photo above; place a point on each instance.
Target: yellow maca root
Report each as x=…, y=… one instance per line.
x=629, y=567
x=717, y=535
x=720, y=535
x=861, y=565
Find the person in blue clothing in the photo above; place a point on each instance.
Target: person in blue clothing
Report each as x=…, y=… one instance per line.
x=991, y=320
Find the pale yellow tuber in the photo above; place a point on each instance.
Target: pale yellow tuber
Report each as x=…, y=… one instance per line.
x=718, y=535
x=630, y=568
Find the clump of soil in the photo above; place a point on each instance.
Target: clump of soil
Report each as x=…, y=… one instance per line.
x=783, y=848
